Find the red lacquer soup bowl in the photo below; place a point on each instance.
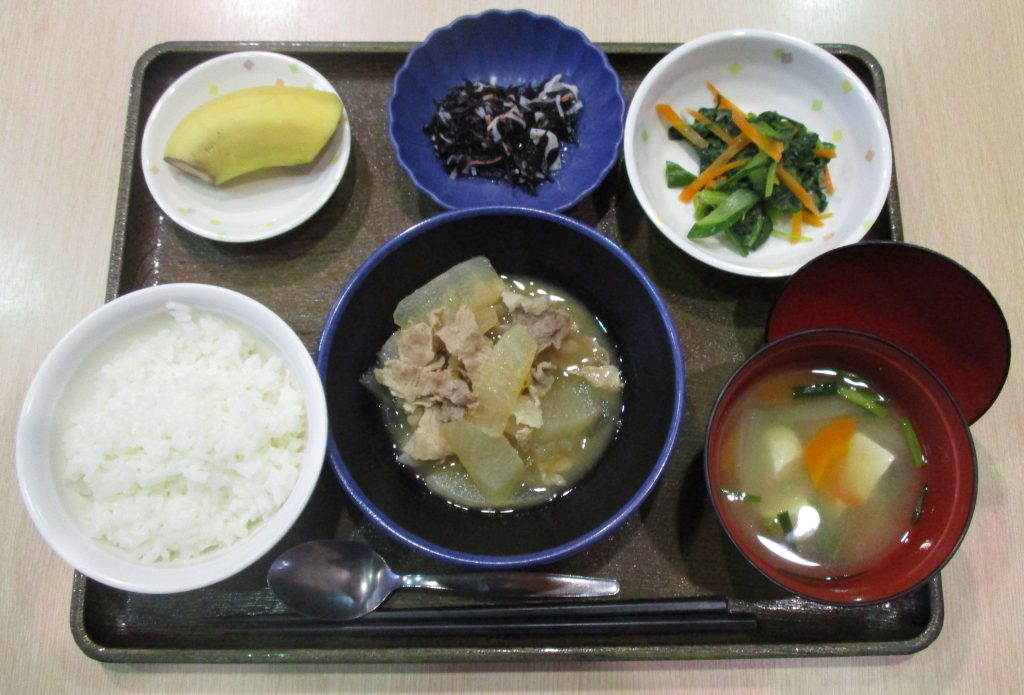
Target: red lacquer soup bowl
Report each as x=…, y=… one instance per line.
x=907, y=555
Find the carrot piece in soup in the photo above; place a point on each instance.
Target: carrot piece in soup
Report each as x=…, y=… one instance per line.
x=826, y=452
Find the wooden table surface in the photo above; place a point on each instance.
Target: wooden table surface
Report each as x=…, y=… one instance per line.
x=955, y=75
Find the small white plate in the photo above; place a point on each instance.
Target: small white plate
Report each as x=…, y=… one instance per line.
x=761, y=71
x=257, y=206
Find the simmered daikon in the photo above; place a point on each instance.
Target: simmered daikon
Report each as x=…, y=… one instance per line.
x=569, y=409
x=498, y=393
x=502, y=378
x=472, y=283
x=491, y=461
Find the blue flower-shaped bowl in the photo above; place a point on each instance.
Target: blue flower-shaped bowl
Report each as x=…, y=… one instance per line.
x=507, y=48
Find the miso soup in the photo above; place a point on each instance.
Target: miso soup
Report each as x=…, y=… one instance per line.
x=498, y=392
x=822, y=470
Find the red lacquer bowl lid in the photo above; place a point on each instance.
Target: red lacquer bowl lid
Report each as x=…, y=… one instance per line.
x=911, y=296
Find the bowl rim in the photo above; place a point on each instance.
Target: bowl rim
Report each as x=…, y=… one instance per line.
x=467, y=559
x=941, y=388
x=64, y=362
x=518, y=15
x=699, y=43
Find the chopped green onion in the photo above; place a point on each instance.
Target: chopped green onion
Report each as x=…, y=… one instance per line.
x=854, y=380
x=914, y=443
x=867, y=400
x=812, y=390
x=919, y=507
x=784, y=522
x=734, y=496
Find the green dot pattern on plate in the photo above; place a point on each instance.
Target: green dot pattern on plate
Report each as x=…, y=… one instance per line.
x=294, y=68
x=214, y=89
x=644, y=135
x=817, y=105
x=847, y=86
x=837, y=136
x=214, y=221
x=734, y=68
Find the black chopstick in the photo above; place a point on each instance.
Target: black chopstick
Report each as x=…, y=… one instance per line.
x=698, y=614
x=707, y=622
x=589, y=609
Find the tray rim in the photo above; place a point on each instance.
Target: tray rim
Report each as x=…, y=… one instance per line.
x=102, y=653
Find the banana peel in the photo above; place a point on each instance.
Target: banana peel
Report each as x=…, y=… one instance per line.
x=253, y=129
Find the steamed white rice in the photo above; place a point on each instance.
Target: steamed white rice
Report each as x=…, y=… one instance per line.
x=184, y=441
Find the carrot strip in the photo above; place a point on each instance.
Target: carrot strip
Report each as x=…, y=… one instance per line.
x=795, y=226
x=710, y=176
x=815, y=220
x=799, y=191
x=670, y=115
x=824, y=153
x=829, y=188
x=714, y=169
x=770, y=146
x=711, y=125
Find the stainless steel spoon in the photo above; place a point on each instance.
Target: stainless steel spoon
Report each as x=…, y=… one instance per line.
x=342, y=580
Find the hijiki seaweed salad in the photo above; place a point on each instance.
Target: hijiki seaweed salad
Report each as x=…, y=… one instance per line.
x=513, y=134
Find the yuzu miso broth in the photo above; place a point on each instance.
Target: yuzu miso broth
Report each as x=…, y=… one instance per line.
x=498, y=392
x=822, y=470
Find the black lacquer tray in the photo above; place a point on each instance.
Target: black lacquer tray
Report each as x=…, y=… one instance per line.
x=673, y=548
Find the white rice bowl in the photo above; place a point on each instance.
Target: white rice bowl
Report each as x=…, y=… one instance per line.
x=226, y=424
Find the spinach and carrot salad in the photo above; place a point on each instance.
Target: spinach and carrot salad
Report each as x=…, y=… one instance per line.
x=755, y=170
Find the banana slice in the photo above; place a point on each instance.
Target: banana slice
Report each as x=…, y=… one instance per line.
x=252, y=129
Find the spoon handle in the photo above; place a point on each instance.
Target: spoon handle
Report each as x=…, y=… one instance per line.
x=512, y=584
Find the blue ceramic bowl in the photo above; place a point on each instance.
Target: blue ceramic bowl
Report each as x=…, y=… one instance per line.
x=507, y=48
x=518, y=241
